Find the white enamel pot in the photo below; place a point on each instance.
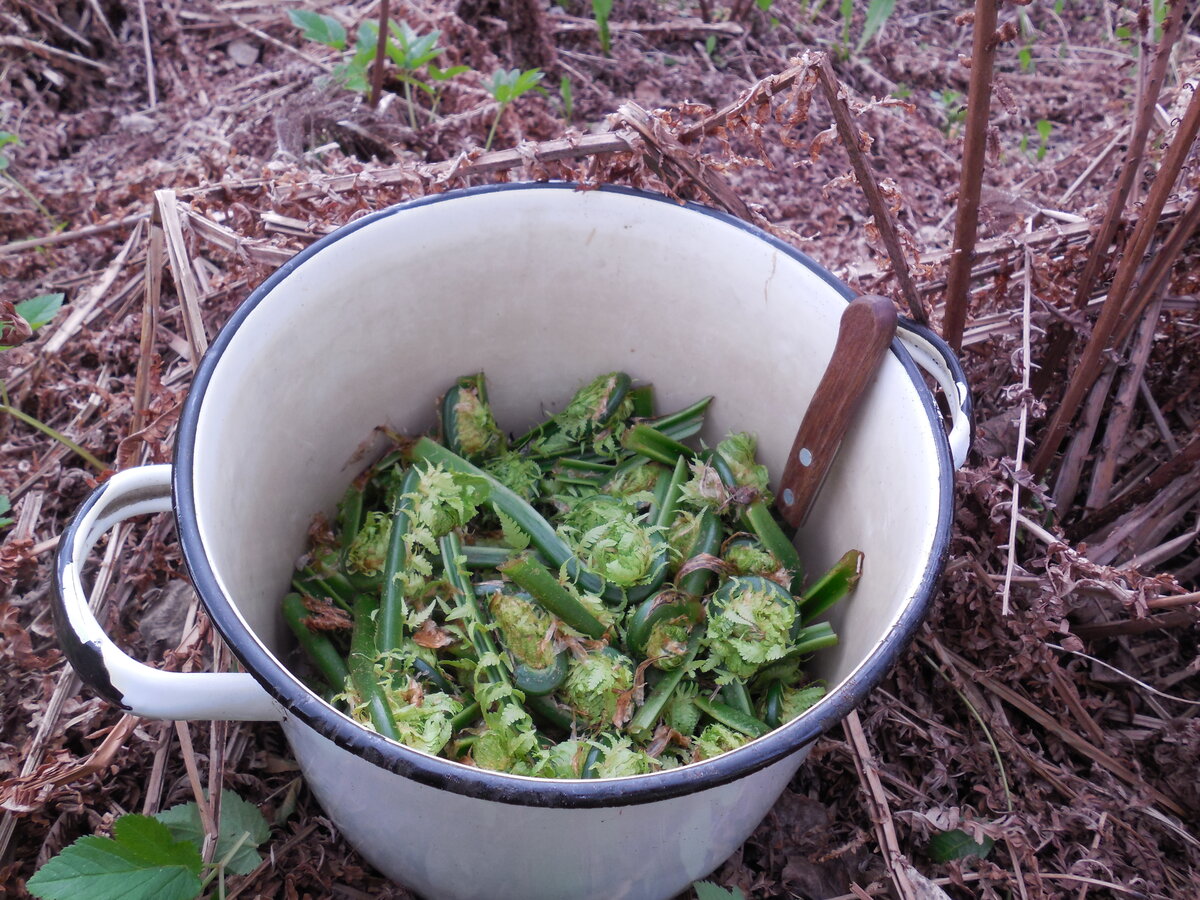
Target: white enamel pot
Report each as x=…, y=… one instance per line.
x=542, y=286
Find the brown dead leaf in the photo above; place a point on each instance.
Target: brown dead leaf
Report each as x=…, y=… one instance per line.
x=432, y=637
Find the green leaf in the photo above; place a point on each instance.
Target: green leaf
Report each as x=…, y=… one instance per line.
x=957, y=844
x=316, y=27
x=39, y=311
x=238, y=817
x=140, y=862
x=445, y=74
x=601, y=10
x=514, y=536
x=706, y=890
x=877, y=14
x=5, y=506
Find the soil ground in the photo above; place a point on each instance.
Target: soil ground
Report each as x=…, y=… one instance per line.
x=1049, y=702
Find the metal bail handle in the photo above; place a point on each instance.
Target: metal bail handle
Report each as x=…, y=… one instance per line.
x=102, y=665
x=933, y=355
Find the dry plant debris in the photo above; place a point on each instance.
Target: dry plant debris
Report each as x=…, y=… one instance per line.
x=1049, y=705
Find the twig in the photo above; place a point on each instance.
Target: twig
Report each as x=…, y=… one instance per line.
x=877, y=803
x=1155, y=556
x=151, y=90
x=1153, y=484
x=167, y=210
x=49, y=52
x=1022, y=424
x=66, y=686
x=851, y=140
x=663, y=147
x=103, y=19
x=958, y=281
x=218, y=730
x=1111, y=314
x=1096, y=162
x=380, y=53
x=1053, y=239
x=682, y=29
x=1159, y=419
x=1142, y=524
x=188, y=752
x=1188, y=599
x=262, y=35
x=1070, y=467
x=86, y=302
x=1160, y=267
x=150, y=305
x=757, y=94
x=1120, y=412
x=1137, y=626
x=256, y=251
x=1066, y=735
x=63, y=237
x=1148, y=90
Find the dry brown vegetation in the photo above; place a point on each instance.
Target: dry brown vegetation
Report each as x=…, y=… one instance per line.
x=180, y=151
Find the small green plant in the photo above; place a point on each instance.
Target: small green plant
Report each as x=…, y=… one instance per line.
x=706, y=890
x=567, y=94
x=505, y=87
x=601, y=10
x=5, y=509
x=953, y=108
x=155, y=857
x=316, y=27
x=878, y=12
x=27, y=317
x=957, y=844
x=6, y=138
x=410, y=51
x=710, y=49
x=1044, y=129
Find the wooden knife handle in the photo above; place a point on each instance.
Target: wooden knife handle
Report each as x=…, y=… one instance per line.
x=866, y=330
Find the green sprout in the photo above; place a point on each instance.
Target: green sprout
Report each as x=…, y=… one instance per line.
x=601, y=10
x=749, y=624
x=568, y=97
x=409, y=50
x=611, y=541
x=595, y=683
x=505, y=87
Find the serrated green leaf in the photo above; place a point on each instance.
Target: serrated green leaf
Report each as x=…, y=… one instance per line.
x=238, y=817
x=513, y=535
x=39, y=311
x=316, y=27
x=140, y=862
x=877, y=14
x=706, y=890
x=957, y=844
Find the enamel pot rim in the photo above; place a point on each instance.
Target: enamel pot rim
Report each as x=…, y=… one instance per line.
x=459, y=778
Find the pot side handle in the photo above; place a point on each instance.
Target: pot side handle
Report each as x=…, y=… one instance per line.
x=934, y=355
x=131, y=685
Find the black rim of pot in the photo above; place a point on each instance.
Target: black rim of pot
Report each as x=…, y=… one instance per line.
x=458, y=778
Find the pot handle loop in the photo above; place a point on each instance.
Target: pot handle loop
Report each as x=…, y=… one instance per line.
x=934, y=355
x=102, y=665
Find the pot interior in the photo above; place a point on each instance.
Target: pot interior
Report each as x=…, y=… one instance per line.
x=542, y=289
